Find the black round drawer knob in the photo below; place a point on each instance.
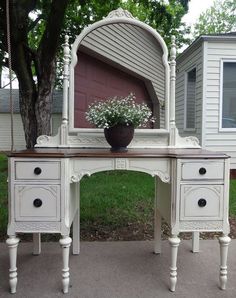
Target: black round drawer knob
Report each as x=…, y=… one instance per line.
x=37, y=203
x=37, y=171
x=202, y=171
x=202, y=202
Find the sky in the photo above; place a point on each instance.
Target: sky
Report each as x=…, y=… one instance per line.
x=196, y=7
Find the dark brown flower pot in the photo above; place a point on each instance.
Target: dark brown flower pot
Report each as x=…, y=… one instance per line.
x=119, y=137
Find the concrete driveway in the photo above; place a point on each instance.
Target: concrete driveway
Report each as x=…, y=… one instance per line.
x=119, y=270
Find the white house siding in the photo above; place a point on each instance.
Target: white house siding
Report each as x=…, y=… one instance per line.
x=132, y=49
x=56, y=122
x=186, y=62
x=19, y=138
x=215, y=139
x=5, y=132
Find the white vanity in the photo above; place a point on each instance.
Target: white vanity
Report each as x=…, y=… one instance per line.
x=192, y=185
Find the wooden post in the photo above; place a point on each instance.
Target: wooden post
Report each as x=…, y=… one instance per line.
x=36, y=244
x=224, y=244
x=65, y=243
x=195, y=241
x=12, y=243
x=64, y=125
x=66, y=80
x=173, y=130
x=174, y=243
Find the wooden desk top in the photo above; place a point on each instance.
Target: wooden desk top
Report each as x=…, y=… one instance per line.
x=106, y=153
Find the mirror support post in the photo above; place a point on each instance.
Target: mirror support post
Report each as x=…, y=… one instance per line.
x=173, y=130
x=66, y=59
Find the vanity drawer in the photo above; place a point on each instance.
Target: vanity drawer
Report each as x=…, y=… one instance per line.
x=37, y=202
x=40, y=170
x=203, y=170
x=201, y=202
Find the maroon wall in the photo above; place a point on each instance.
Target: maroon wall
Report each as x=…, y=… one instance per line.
x=97, y=80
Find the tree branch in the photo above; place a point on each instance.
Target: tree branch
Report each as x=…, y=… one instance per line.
x=21, y=60
x=35, y=22
x=50, y=39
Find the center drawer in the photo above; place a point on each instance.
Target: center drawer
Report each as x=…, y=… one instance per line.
x=40, y=170
x=203, y=170
x=37, y=202
x=201, y=202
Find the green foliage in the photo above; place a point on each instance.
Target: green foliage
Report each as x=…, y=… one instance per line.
x=164, y=16
x=220, y=18
x=232, y=198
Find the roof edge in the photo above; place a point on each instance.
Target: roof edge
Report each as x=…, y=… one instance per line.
x=201, y=38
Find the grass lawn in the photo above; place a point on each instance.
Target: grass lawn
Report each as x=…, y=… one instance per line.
x=110, y=199
x=117, y=197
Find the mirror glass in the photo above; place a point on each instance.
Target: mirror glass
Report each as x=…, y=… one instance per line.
x=116, y=60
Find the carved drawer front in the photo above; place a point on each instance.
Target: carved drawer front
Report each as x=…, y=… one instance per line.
x=37, y=203
x=201, y=202
x=203, y=170
x=37, y=170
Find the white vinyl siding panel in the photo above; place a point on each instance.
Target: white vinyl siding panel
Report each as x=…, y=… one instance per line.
x=56, y=122
x=19, y=137
x=5, y=132
x=215, y=139
x=192, y=59
x=132, y=49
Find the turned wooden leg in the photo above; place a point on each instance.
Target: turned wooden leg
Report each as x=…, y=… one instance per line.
x=157, y=232
x=195, y=242
x=65, y=243
x=12, y=243
x=174, y=243
x=76, y=234
x=36, y=244
x=224, y=244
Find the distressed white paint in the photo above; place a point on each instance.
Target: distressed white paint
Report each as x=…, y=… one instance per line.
x=12, y=243
x=224, y=244
x=195, y=242
x=178, y=191
x=65, y=243
x=36, y=244
x=174, y=243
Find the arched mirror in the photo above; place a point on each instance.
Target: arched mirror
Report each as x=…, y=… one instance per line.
x=116, y=60
x=115, y=57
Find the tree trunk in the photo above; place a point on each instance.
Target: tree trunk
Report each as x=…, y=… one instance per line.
x=27, y=110
x=43, y=105
x=35, y=97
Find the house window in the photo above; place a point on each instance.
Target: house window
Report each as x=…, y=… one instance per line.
x=190, y=103
x=229, y=95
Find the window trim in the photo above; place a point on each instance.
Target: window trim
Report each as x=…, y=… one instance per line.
x=185, y=99
x=224, y=129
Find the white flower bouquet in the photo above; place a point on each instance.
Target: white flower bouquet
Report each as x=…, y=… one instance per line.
x=119, y=111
